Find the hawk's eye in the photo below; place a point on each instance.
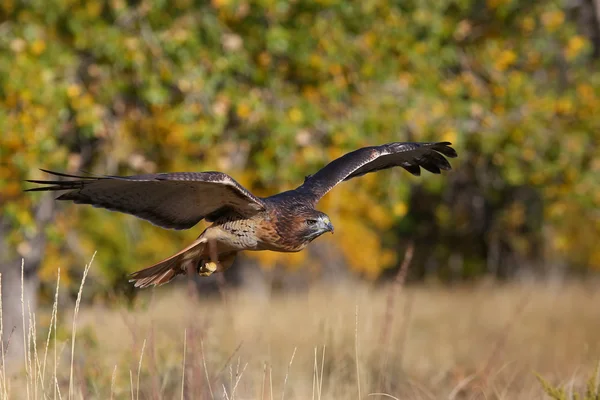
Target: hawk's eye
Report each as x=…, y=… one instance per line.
x=311, y=221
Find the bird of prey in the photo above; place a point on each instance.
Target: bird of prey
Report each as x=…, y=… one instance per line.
x=285, y=222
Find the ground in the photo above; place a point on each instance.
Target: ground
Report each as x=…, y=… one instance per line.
x=350, y=341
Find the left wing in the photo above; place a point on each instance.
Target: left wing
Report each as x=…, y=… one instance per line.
x=410, y=156
x=176, y=200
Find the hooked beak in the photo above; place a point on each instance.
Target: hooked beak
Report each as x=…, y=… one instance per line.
x=328, y=225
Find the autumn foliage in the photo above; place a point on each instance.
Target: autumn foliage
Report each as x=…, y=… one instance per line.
x=269, y=91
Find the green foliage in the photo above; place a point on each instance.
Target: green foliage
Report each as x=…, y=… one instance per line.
x=269, y=91
x=592, y=391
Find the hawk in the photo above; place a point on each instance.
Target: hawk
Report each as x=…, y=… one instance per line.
x=285, y=222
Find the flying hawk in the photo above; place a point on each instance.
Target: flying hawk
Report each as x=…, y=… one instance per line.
x=285, y=222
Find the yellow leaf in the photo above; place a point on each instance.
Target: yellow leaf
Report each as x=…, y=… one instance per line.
x=505, y=60
x=528, y=25
x=561, y=242
x=499, y=91
x=406, y=79
x=94, y=8
x=553, y=19
x=493, y=4
x=563, y=106
x=264, y=59
x=528, y=154
x=585, y=91
x=369, y=39
x=595, y=259
x=243, y=111
x=73, y=90
x=400, y=209
x=574, y=47
x=335, y=69
x=420, y=48
x=220, y=3
x=449, y=136
x=449, y=87
x=315, y=60
x=439, y=109
x=295, y=115
x=311, y=93
x=38, y=46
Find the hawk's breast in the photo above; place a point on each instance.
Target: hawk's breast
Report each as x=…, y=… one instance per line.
x=240, y=234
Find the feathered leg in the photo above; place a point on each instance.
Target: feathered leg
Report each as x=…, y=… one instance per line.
x=209, y=267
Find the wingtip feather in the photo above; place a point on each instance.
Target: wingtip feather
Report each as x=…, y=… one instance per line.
x=413, y=169
x=445, y=149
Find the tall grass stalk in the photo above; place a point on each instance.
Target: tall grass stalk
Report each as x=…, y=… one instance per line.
x=3, y=371
x=137, y=395
x=112, y=382
x=50, y=327
x=183, y=364
x=25, y=352
x=356, y=354
x=212, y=396
x=287, y=373
x=74, y=331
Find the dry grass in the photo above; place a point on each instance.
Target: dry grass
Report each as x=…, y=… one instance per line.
x=342, y=342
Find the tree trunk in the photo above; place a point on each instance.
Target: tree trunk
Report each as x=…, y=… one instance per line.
x=586, y=14
x=15, y=313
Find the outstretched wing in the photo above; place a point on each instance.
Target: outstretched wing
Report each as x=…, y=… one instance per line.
x=410, y=156
x=171, y=200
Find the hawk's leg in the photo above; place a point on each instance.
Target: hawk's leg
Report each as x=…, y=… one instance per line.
x=213, y=264
x=207, y=268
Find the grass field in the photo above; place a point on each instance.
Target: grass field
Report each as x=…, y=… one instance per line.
x=350, y=341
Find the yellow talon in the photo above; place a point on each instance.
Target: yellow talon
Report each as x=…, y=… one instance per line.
x=208, y=268
x=211, y=266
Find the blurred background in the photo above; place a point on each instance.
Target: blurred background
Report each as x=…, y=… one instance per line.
x=269, y=91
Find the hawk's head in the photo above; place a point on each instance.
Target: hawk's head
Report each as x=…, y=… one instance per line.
x=310, y=224
x=296, y=223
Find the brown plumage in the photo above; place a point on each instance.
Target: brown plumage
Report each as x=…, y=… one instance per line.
x=285, y=222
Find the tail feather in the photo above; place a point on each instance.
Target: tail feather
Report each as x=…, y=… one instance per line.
x=156, y=275
x=165, y=270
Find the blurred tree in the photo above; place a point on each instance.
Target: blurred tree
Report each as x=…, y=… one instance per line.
x=269, y=91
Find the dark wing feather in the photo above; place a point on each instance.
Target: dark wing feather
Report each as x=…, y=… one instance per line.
x=410, y=156
x=172, y=200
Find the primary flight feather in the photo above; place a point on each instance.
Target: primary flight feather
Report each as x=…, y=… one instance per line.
x=285, y=222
